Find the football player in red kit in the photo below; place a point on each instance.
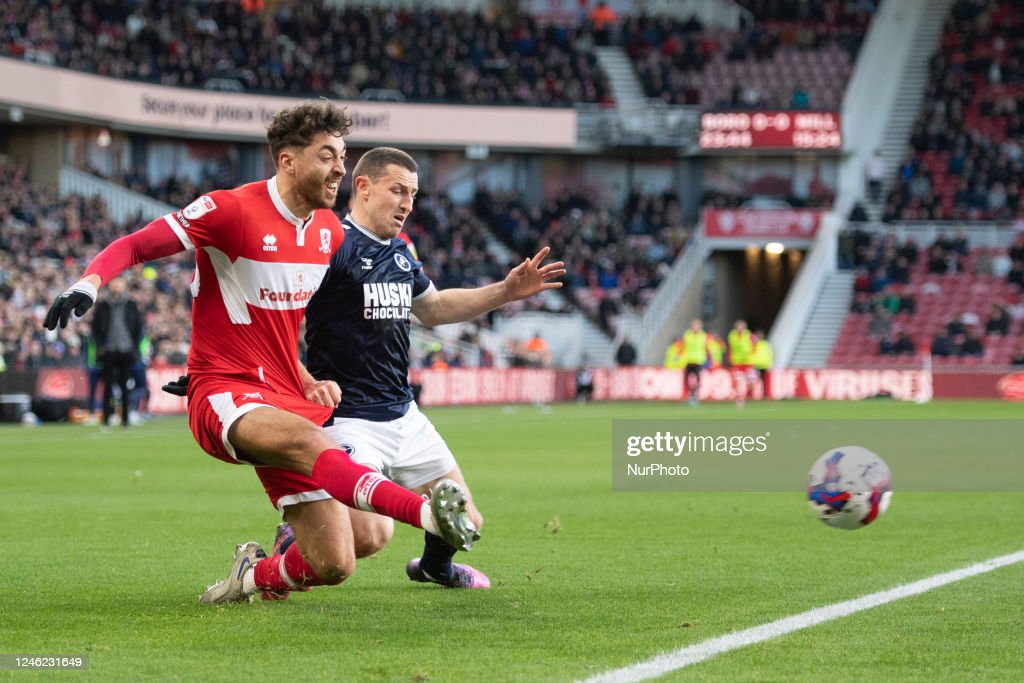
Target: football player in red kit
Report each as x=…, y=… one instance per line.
x=261, y=253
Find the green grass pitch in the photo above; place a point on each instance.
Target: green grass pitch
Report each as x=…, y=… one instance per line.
x=109, y=538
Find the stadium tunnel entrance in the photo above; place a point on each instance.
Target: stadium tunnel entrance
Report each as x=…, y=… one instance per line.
x=749, y=283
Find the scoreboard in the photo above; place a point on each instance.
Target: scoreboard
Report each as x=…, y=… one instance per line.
x=770, y=130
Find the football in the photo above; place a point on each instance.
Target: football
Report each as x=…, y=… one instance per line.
x=849, y=487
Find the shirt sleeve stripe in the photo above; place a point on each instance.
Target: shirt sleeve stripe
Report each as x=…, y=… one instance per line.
x=425, y=292
x=186, y=241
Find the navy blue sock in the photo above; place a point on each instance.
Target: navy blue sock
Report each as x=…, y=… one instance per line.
x=437, y=557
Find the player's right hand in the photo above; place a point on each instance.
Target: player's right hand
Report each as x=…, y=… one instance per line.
x=325, y=392
x=79, y=299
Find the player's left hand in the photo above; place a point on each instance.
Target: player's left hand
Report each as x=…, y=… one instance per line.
x=325, y=392
x=529, y=277
x=178, y=387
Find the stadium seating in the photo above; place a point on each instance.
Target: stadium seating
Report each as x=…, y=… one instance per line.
x=615, y=258
x=796, y=55
x=45, y=243
x=967, y=148
x=314, y=49
x=420, y=55
x=939, y=298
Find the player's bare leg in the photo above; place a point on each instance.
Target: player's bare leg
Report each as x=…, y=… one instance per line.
x=435, y=565
x=756, y=382
x=740, y=387
x=314, y=548
x=269, y=436
x=323, y=531
x=693, y=387
x=370, y=531
x=332, y=538
x=277, y=438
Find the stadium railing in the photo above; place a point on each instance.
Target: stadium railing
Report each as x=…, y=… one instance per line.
x=124, y=204
x=659, y=321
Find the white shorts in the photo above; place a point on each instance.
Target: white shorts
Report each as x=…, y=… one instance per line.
x=408, y=450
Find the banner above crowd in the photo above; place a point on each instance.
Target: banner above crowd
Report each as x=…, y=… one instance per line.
x=129, y=105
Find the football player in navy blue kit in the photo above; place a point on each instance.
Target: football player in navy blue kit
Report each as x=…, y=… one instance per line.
x=357, y=334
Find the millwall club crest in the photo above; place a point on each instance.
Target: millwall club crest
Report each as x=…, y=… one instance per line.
x=402, y=262
x=325, y=240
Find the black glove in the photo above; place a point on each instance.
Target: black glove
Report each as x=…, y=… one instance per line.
x=79, y=299
x=178, y=387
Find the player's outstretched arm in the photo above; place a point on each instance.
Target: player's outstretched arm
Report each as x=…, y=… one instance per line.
x=458, y=305
x=154, y=241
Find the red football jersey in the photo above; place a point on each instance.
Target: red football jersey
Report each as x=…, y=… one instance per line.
x=257, y=265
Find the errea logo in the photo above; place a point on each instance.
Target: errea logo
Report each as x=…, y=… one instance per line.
x=269, y=243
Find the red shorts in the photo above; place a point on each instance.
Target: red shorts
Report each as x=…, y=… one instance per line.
x=215, y=403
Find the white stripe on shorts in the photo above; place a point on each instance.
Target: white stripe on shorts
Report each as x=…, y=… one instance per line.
x=228, y=412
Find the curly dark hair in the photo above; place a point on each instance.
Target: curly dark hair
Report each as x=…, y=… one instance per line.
x=297, y=126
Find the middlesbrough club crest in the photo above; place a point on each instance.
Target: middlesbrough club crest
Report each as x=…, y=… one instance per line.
x=325, y=240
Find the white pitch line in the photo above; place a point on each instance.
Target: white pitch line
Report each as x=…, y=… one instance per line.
x=699, y=652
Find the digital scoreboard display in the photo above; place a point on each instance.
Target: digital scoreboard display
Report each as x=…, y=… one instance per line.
x=770, y=130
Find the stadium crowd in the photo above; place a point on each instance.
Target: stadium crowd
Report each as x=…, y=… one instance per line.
x=671, y=56
x=892, y=277
x=313, y=48
x=45, y=241
x=966, y=154
x=616, y=258
x=619, y=254
x=501, y=57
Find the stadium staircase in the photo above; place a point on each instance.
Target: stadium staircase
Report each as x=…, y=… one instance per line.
x=826, y=321
x=880, y=104
x=626, y=88
x=910, y=94
x=569, y=336
x=124, y=204
x=677, y=300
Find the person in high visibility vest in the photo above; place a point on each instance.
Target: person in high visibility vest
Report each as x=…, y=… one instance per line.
x=675, y=355
x=741, y=347
x=716, y=351
x=762, y=359
x=695, y=345
x=741, y=344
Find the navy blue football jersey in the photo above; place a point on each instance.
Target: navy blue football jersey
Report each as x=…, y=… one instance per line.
x=357, y=324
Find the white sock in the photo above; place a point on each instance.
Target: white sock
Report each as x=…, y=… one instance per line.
x=427, y=520
x=249, y=581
